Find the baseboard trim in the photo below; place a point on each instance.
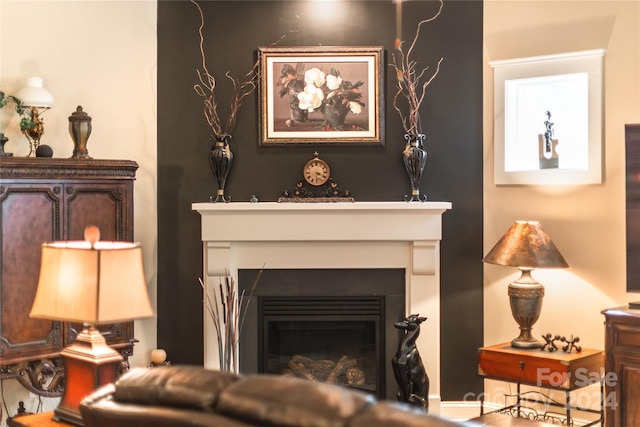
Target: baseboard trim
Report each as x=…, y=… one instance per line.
x=461, y=410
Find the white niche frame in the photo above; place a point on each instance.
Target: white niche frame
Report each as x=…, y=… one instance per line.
x=524, y=89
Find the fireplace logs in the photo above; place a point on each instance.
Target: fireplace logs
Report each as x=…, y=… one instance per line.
x=326, y=371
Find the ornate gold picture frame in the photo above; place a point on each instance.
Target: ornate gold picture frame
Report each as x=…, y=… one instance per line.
x=321, y=95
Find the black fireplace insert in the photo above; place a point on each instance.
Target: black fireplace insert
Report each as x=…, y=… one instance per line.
x=330, y=325
x=337, y=340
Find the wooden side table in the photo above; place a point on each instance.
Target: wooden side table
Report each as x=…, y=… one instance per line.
x=553, y=370
x=43, y=419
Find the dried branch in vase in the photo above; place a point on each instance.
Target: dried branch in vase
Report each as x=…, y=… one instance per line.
x=228, y=310
x=412, y=82
x=242, y=87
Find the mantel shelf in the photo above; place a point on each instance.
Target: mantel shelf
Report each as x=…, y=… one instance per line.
x=436, y=207
x=362, y=221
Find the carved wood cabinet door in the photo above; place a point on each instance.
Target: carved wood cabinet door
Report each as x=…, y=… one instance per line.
x=31, y=215
x=107, y=206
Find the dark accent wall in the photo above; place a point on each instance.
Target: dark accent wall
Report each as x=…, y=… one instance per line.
x=452, y=121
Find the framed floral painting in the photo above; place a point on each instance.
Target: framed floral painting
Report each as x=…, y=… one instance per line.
x=321, y=95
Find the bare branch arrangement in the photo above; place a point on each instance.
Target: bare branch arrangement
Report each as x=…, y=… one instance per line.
x=228, y=310
x=242, y=87
x=412, y=82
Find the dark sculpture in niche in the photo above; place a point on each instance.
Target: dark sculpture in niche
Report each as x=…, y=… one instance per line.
x=407, y=365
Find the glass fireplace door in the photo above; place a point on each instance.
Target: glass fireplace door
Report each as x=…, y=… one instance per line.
x=332, y=340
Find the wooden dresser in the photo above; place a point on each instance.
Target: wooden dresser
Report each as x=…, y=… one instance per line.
x=622, y=385
x=42, y=200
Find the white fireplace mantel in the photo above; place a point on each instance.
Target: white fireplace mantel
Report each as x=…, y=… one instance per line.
x=333, y=235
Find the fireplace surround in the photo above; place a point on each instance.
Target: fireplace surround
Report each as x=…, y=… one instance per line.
x=360, y=235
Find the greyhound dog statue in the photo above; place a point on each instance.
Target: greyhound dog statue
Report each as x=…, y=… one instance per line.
x=407, y=365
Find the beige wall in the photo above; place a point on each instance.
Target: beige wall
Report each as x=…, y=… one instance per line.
x=587, y=223
x=101, y=55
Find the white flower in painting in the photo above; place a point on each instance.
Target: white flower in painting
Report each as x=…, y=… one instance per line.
x=314, y=76
x=355, y=107
x=311, y=98
x=333, y=82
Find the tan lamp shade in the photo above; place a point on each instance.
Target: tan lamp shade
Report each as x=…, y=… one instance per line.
x=525, y=244
x=90, y=283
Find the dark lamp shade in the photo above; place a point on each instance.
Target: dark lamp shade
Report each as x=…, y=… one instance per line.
x=103, y=283
x=526, y=245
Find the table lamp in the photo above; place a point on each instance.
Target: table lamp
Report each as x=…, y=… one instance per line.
x=525, y=245
x=92, y=282
x=36, y=99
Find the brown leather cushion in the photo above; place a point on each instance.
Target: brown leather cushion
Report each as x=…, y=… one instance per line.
x=290, y=402
x=393, y=414
x=108, y=413
x=188, y=386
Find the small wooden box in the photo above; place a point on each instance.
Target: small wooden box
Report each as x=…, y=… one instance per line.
x=557, y=370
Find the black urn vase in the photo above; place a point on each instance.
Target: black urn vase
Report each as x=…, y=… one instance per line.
x=220, y=160
x=415, y=159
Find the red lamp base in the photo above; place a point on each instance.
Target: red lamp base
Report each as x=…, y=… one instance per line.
x=89, y=363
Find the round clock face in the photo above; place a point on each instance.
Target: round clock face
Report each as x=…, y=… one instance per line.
x=316, y=172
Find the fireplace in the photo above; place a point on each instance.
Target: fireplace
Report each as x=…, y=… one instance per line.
x=395, y=236
x=332, y=340
x=328, y=325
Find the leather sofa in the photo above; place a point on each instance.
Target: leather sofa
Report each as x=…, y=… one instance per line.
x=193, y=396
